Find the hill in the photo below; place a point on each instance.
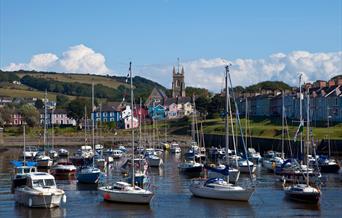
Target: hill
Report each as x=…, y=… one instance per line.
x=113, y=88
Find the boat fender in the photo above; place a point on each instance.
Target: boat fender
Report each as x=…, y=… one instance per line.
x=30, y=202
x=64, y=198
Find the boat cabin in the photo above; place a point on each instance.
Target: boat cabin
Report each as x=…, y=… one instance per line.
x=40, y=180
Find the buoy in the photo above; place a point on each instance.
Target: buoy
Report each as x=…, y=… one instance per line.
x=30, y=202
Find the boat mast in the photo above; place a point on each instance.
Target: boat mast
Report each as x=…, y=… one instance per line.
x=246, y=116
x=52, y=131
x=140, y=137
x=226, y=119
x=301, y=116
x=93, y=120
x=130, y=74
x=24, y=143
x=328, y=116
x=239, y=123
x=307, y=137
x=45, y=118
x=85, y=125
x=282, y=124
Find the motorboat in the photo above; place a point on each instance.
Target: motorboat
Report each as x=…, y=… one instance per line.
x=88, y=174
x=126, y=193
x=117, y=154
x=53, y=154
x=246, y=166
x=123, y=148
x=190, y=167
x=63, y=152
x=20, y=177
x=217, y=188
x=253, y=155
x=272, y=163
x=175, y=148
x=303, y=193
x=99, y=148
x=87, y=152
x=63, y=169
x=30, y=152
x=39, y=191
x=154, y=160
x=43, y=160
x=328, y=165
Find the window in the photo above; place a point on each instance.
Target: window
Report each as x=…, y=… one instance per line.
x=38, y=183
x=49, y=182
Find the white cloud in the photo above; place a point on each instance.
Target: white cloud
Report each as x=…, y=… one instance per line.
x=209, y=73
x=78, y=59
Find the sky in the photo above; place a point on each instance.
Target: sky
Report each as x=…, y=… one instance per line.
x=263, y=40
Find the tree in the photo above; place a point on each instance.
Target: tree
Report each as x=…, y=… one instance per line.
x=216, y=106
x=62, y=101
x=202, y=104
x=39, y=104
x=75, y=109
x=190, y=91
x=30, y=114
x=5, y=114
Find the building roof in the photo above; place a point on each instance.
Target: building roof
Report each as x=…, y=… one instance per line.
x=110, y=106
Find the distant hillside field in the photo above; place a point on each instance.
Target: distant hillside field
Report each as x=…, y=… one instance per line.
x=112, y=88
x=80, y=78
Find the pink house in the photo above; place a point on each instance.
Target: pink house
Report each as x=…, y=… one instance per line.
x=16, y=119
x=172, y=111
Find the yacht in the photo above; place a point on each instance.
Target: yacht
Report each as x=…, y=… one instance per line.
x=63, y=169
x=30, y=152
x=217, y=188
x=175, y=148
x=126, y=193
x=40, y=191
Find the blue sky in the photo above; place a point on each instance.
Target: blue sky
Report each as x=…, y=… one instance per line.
x=155, y=33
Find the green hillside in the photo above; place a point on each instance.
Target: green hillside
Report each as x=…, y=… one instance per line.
x=34, y=84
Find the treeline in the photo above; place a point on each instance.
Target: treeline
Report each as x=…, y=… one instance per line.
x=267, y=85
x=8, y=76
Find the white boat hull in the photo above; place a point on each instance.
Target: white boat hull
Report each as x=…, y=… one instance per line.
x=37, y=199
x=233, y=195
x=245, y=169
x=141, y=197
x=154, y=162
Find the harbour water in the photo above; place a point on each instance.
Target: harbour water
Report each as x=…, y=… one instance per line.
x=172, y=198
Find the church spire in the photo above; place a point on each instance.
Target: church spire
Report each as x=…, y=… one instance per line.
x=174, y=70
x=182, y=70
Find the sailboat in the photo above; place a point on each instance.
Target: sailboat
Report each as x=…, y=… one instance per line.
x=152, y=158
x=304, y=192
x=42, y=159
x=190, y=165
x=325, y=163
x=122, y=191
x=22, y=168
x=89, y=174
x=218, y=188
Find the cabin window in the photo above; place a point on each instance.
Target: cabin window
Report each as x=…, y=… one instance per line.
x=49, y=182
x=38, y=183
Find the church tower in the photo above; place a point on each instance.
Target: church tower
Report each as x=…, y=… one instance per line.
x=178, y=85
